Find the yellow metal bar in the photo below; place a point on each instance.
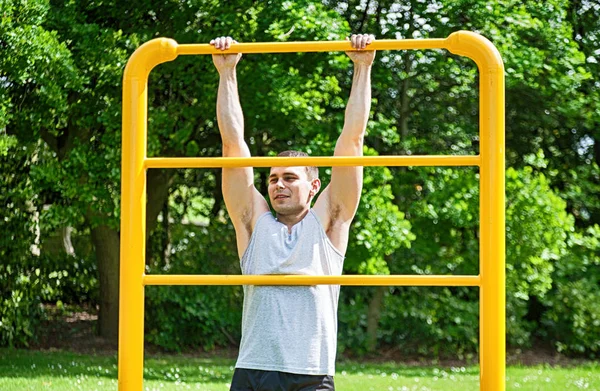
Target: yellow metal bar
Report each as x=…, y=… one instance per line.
x=492, y=302
x=318, y=161
x=355, y=280
x=133, y=210
x=322, y=46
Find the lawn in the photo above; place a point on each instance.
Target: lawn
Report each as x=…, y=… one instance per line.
x=34, y=370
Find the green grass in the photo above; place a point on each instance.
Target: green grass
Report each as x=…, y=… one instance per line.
x=33, y=370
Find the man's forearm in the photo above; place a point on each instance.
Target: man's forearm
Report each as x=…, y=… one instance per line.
x=229, y=112
x=359, y=103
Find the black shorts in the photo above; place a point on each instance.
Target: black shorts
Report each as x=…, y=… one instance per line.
x=256, y=380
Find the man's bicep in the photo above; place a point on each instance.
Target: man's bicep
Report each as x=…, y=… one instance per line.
x=238, y=183
x=346, y=182
x=344, y=191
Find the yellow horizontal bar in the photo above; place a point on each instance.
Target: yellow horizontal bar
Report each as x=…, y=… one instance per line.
x=362, y=280
x=317, y=161
x=319, y=46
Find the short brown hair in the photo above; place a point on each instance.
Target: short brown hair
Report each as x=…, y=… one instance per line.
x=311, y=171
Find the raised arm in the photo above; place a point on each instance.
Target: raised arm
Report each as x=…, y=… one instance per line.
x=338, y=203
x=244, y=203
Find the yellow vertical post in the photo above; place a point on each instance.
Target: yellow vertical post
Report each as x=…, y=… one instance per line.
x=492, y=302
x=133, y=209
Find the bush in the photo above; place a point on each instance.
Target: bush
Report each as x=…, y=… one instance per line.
x=536, y=236
x=442, y=204
x=20, y=291
x=352, y=320
x=27, y=279
x=37, y=280
x=68, y=279
x=21, y=309
x=415, y=321
x=180, y=317
x=572, y=316
x=418, y=316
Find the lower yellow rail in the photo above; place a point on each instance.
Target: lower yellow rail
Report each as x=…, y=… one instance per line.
x=357, y=280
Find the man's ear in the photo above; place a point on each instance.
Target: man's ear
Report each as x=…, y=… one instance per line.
x=315, y=186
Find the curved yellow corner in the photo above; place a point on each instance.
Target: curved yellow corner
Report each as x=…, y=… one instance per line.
x=476, y=47
x=148, y=56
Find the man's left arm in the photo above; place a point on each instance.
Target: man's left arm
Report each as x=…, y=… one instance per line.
x=339, y=201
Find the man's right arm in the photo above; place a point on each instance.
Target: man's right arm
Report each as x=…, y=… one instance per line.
x=244, y=203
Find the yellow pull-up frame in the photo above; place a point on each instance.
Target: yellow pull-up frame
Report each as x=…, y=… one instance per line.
x=491, y=278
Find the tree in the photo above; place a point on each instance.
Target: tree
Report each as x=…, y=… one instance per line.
x=32, y=58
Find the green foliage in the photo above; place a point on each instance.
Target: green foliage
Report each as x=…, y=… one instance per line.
x=537, y=230
x=20, y=310
x=536, y=233
x=379, y=228
x=27, y=279
x=37, y=280
x=583, y=182
x=442, y=205
x=352, y=320
x=38, y=73
x=414, y=320
x=416, y=317
x=67, y=279
x=180, y=317
x=60, y=119
x=572, y=318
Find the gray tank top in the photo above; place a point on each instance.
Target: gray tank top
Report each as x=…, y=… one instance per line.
x=290, y=328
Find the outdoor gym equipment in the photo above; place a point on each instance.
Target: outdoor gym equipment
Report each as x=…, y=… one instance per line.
x=491, y=277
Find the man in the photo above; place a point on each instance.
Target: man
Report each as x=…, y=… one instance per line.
x=289, y=334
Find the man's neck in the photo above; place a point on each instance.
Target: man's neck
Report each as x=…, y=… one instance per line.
x=291, y=219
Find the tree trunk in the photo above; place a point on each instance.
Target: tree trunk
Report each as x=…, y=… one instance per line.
x=217, y=195
x=159, y=182
x=158, y=185
x=373, y=318
x=106, y=244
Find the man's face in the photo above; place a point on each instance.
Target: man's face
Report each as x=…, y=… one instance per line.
x=290, y=191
